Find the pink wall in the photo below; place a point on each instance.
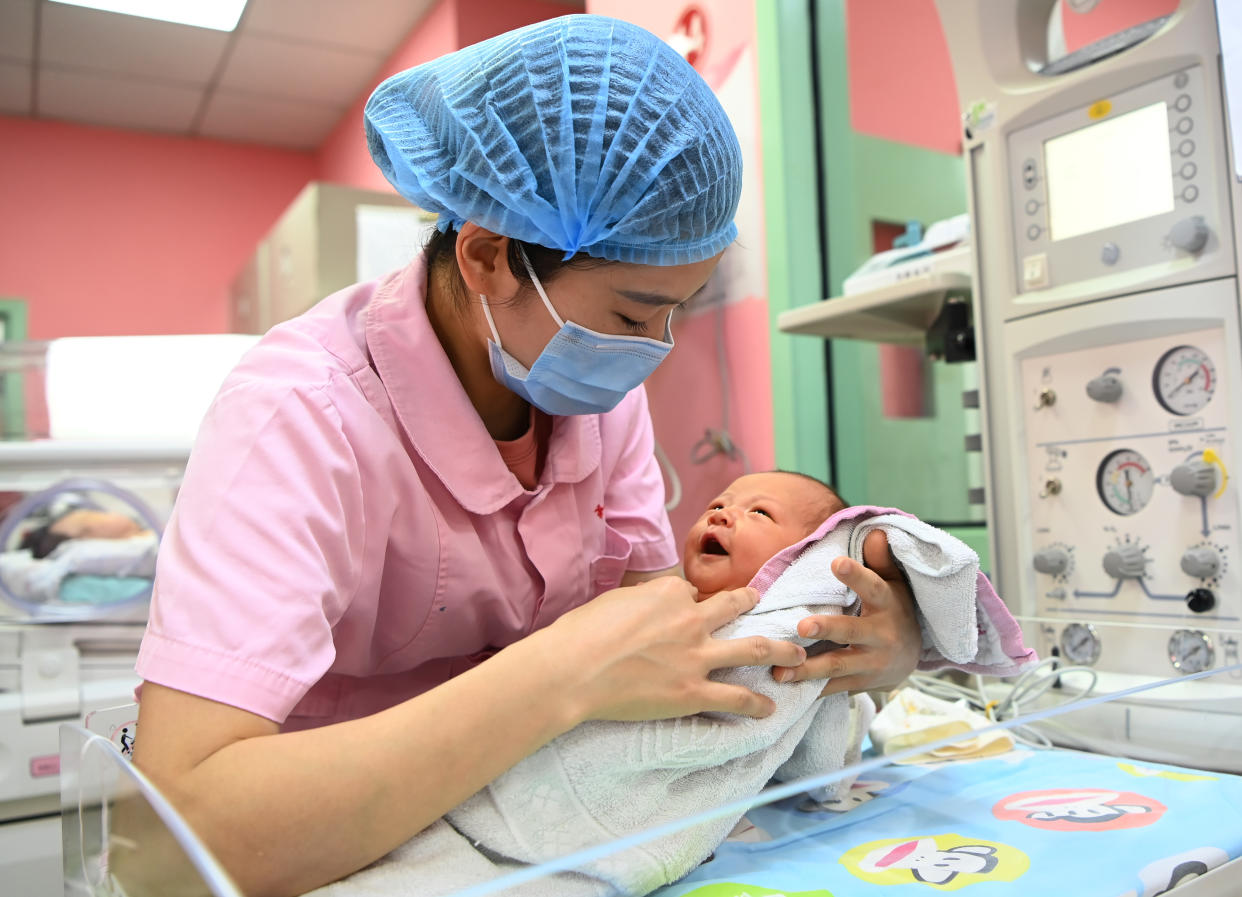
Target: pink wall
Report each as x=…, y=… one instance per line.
x=110, y=232
x=901, y=81
x=686, y=393
x=1109, y=17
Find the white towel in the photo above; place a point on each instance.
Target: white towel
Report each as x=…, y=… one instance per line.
x=604, y=780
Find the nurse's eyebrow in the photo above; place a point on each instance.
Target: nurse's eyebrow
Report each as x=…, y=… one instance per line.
x=648, y=298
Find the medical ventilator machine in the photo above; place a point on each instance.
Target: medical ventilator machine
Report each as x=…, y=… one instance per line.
x=1106, y=300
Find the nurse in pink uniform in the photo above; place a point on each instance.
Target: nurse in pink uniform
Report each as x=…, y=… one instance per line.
x=422, y=530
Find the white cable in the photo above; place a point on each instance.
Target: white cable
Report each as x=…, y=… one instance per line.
x=674, y=481
x=1028, y=687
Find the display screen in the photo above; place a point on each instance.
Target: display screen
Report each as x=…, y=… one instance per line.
x=1109, y=173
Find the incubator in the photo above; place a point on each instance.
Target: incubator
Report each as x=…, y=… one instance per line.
x=96, y=433
x=945, y=807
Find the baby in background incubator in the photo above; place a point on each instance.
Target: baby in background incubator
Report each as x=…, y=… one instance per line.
x=71, y=553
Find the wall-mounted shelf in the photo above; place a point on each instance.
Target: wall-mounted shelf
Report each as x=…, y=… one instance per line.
x=901, y=312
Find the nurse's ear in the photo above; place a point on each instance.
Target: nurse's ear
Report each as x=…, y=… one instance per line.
x=483, y=259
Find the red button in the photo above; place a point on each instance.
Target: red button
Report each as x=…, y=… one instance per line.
x=45, y=766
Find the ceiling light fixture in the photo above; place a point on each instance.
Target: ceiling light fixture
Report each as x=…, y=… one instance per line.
x=221, y=15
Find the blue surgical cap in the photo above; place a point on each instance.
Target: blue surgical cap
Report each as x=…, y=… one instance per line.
x=581, y=133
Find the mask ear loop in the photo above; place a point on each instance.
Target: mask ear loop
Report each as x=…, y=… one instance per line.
x=487, y=313
x=539, y=286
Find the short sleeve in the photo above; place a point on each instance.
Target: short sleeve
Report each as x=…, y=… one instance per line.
x=262, y=554
x=634, y=491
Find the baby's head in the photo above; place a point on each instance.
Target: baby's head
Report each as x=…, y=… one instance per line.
x=756, y=517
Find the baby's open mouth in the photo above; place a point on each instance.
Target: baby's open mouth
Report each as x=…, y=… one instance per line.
x=711, y=545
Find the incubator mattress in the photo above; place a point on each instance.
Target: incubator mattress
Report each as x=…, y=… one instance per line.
x=1028, y=822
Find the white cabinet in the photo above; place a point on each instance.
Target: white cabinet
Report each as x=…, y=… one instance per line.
x=330, y=237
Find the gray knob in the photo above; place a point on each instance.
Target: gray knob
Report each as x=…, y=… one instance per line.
x=1194, y=478
x=1125, y=562
x=1189, y=234
x=1201, y=563
x=1105, y=388
x=1053, y=561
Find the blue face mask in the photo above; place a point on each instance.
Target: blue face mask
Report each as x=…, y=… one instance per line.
x=579, y=371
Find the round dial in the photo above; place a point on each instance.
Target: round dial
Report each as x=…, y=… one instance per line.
x=1080, y=644
x=1190, y=651
x=1184, y=380
x=1125, y=481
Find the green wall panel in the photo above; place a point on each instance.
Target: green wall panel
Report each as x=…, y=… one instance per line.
x=787, y=110
x=917, y=464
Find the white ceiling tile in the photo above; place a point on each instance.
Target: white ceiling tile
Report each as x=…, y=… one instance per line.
x=85, y=38
x=288, y=123
x=17, y=29
x=14, y=88
x=375, y=25
x=279, y=68
x=116, y=101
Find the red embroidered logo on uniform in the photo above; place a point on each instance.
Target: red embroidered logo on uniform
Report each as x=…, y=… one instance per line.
x=599, y=511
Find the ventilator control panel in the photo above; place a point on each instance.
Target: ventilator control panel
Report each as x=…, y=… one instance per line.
x=1133, y=554
x=1115, y=185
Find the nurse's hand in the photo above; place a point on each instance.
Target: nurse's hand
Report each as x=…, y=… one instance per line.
x=645, y=651
x=882, y=644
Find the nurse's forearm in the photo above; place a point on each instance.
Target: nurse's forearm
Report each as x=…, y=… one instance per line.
x=285, y=813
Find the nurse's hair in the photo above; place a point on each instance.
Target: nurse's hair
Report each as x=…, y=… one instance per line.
x=440, y=252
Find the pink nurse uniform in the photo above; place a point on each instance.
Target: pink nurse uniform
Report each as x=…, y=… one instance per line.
x=348, y=534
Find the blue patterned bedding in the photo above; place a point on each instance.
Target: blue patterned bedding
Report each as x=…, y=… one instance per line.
x=1028, y=822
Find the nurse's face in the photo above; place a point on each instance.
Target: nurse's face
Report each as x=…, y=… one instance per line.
x=613, y=298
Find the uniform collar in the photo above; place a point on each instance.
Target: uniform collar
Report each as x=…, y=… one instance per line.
x=435, y=412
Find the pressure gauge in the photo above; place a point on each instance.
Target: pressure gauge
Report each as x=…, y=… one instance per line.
x=1080, y=644
x=1184, y=380
x=1190, y=651
x=1124, y=481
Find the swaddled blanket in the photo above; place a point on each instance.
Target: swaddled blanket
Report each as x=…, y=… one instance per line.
x=603, y=780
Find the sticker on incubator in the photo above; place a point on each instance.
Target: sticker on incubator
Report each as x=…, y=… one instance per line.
x=1167, y=873
x=1151, y=772
x=978, y=117
x=947, y=861
x=1080, y=809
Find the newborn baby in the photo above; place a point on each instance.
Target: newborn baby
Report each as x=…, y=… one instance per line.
x=745, y=526
x=605, y=780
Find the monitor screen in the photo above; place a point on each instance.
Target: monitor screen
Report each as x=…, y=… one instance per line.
x=1109, y=173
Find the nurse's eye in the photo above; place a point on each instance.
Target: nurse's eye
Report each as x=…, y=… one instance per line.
x=631, y=325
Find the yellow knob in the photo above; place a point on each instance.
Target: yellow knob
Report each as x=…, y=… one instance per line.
x=1210, y=456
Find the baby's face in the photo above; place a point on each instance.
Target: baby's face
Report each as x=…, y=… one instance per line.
x=89, y=524
x=757, y=516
